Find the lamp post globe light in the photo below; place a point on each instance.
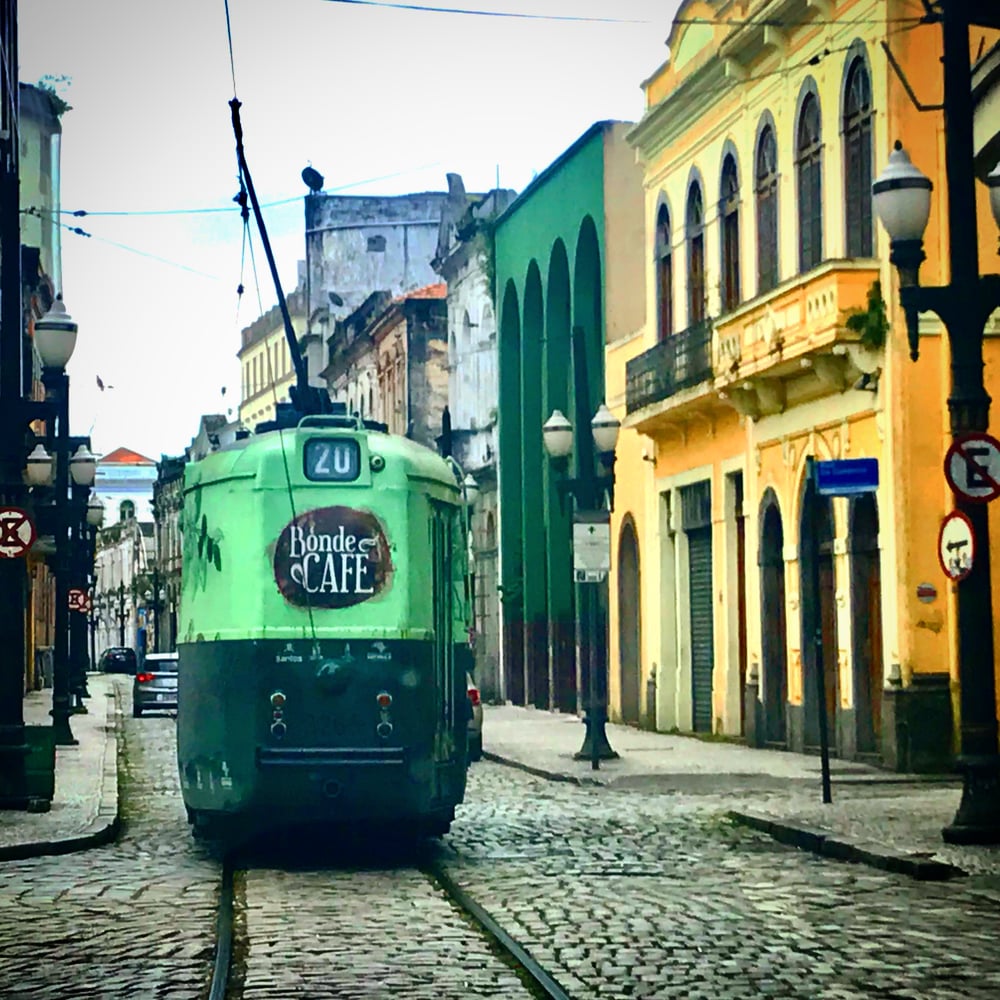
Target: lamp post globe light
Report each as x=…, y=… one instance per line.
x=593, y=497
x=901, y=199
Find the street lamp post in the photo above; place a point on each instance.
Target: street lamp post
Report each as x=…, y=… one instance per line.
x=121, y=614
x=901, y=197
x=82, y=470
x=55, y=337
x=592, y=493
x=95, y=518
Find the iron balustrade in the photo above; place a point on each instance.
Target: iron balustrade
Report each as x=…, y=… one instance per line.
x=680, y=361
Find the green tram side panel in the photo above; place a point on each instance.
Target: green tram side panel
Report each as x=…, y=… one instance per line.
x=237, y=503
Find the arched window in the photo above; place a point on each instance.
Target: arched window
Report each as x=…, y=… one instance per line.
x=695, y=220
x=664, y=275
x=766, y=191
x=729, y=219
x=126, y=510
x=858, y=159
x=808, y=148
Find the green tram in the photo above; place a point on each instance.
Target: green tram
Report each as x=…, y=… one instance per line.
x=321, y=638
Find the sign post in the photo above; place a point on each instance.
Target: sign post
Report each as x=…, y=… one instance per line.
x=838, y=478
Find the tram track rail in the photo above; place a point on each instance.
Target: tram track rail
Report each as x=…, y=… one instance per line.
x=227, y=981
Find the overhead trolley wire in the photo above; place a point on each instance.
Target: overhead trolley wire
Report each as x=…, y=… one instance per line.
x=490, y=13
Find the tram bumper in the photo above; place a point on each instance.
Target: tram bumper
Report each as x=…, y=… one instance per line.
x=346, y=784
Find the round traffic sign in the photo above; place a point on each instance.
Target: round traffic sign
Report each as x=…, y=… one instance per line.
x=972, y=467
x=956, y=546
x=17, y=532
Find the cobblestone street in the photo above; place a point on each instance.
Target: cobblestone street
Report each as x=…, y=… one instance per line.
x=617, y=890
x=651, y=894
x=129, y=920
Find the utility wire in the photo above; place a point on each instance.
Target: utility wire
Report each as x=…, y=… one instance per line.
x=488, y=13
x=77, y=231
x=81, y=212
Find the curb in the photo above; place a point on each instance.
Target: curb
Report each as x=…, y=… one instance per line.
x=827, y=844
x=539, y=772
x=104, y=827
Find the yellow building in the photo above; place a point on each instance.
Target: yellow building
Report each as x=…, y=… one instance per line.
x=759, y=145
x=265, y=362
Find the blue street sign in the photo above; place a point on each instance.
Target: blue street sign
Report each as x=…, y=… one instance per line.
x=845, y=477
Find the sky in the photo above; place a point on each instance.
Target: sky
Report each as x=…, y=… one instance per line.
x=379, y=99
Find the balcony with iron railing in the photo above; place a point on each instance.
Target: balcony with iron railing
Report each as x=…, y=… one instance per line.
x=678, y=362
x=790, y=343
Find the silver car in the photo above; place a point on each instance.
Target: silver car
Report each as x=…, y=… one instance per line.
x=155, y=684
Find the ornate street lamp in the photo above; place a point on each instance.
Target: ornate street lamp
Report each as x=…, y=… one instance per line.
x=55, y=339
x=901, y=197
x=593, y=496
x=38, y=470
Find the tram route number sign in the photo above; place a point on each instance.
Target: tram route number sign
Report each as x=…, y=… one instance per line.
x=591, y=546
x=972, y=467
x=17, y=532
x=956, y=546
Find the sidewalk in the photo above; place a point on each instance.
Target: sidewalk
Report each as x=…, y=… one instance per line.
x=877, y=817
x=84, y=810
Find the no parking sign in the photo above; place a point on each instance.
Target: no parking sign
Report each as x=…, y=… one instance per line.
x=17, y=532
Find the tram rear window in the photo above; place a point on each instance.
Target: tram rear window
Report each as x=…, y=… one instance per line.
x=332, y=459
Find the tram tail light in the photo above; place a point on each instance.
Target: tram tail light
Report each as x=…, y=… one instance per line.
x=278, y=727
x=384, y=699
x=144, y=678
x=474, y=698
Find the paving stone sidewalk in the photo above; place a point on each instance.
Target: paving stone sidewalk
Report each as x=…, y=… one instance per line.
x=84, y=811
x=877, y=817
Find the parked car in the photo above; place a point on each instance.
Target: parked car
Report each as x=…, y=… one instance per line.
x=118, y=660
x=475, y=744
x=155, y=684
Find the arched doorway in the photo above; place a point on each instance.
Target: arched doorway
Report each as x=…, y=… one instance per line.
x=774, y=646
x=819, y=613
x=628, y=622
x=866, y=615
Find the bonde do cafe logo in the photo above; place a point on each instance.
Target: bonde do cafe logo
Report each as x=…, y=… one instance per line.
x=332, y=557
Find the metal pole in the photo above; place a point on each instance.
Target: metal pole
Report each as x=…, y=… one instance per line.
x=57, y=386
x=817, y=599
x=586, y=493
x=13, y=578
x=78, y=580
x=121, y=614
x=978, y=817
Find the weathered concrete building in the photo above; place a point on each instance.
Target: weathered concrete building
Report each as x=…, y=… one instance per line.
x=462, y=259
x=356, y=245
x=125, y=547
x=388, y=361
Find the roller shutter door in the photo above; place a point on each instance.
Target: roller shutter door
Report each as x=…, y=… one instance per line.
x=702, y=652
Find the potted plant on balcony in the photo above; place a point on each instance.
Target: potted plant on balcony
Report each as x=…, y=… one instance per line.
x=871, y=324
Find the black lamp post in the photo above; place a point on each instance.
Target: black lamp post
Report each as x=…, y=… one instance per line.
x=901, y=197
x=55, y=338
x=95, y=518
x=82, y=470
x=593, y=497
x=121, y=614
